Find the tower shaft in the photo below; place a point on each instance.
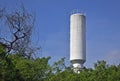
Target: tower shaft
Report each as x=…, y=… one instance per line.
x=77, y=40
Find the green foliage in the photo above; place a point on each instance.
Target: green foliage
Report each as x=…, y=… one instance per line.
x=59, y=66
x=6, y=66
x=17, y=68
x=101, y=72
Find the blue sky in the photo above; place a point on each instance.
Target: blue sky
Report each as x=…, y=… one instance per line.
x=52, y=27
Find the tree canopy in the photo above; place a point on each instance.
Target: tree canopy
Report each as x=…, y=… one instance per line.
x=16, y=68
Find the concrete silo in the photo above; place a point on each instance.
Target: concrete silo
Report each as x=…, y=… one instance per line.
x=77, y=41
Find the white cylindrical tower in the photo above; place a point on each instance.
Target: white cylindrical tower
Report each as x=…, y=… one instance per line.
x=77, y=40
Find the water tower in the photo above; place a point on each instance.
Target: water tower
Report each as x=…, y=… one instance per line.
x=77, y=41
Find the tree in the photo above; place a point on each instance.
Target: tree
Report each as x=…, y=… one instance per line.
x=15, y=68
x=59, y=66
x=20, y=24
